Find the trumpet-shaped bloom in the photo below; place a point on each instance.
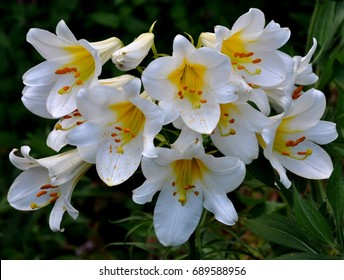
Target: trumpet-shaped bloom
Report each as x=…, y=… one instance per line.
x=235, y=134
x=293, y=141
x=120, y=127
x=252, y=48
x=70, y=65
x=190, y=83
x=45, y=181
x=188, y=181
x=57, y=138
x=130, y=56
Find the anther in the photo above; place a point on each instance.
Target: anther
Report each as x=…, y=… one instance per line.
x=48, y=186
x=297, y=92
x=203, y=101
x=240, y=67
x=40, y=193
x=54, y=199
x=231, y=121
x=257, y=60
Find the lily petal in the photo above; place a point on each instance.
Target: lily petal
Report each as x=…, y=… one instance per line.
x=174, y=224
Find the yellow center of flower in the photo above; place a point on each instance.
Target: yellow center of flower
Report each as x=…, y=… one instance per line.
x=49, y=192
x=287, y=146
x=186, y=173
x=241, y=58
x=81, y=68
x=189, y=79
x=128, y=124
x=226, y=121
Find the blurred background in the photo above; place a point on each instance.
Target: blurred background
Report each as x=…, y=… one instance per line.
x=110, y=225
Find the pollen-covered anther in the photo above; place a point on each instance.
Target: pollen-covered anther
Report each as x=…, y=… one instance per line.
x=40, y=193
x=297, y=92
x=203, y=101
x=291, y=143
x=257, y=60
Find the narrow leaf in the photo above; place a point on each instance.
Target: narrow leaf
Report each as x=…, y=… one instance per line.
x=335, y=195
x=281, y=230
x=311, y=220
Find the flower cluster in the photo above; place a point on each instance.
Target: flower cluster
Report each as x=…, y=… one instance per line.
x=235, y=90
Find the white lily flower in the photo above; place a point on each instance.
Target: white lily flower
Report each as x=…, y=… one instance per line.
x=191, y=83
x=188, y=181
x=45, y=181
x=235, y=134
x=70, y=64
x=120, y=128
x=57, y=138
x=252, y=48
x=293, y=141
x=130, y=56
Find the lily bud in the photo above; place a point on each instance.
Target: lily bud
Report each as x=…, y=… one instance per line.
x=130, y=56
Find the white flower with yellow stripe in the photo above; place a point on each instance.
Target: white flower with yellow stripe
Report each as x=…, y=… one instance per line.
x=292, y=143
x=120, y=127
x=70, y=64
x=191, y=83
x=45, y=181
x=188, y=180
x=251, y=48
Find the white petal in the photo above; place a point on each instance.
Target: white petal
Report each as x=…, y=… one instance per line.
x=145, y=192
x=174, y=223
x=35, y=100
x=157, y=170
x=226, y=94
x=221, y=206
x=318, y=165
x=223, y=174
x=202, y=120
x=47, y=44
x=182, y=47
x=280, y=170
x=42, y=74
x=251, y=22
x=171, y=111
x=115, y=167
x=59, y=105
x=26, y=161
x=307, y=111
x=61, y=205
x=322, y=133
x=155, y=78
x=64, y=32
x=85, y=135
x=243, y=144
x=25, y=187
x=272, y=68
x=88, y=153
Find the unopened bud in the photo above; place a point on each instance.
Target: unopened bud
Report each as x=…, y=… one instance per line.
x=130, y=56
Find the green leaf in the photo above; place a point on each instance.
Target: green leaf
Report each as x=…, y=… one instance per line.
x=335, y=195
x=281, y=230
x=306, y=256
x=311, y=220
